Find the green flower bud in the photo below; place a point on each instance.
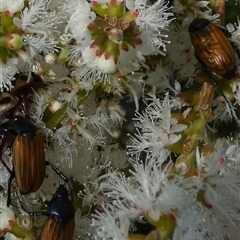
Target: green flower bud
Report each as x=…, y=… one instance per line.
x=12, y=41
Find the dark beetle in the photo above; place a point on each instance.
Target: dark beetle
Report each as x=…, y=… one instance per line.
x=60, y=224
x=213, y=48
x=214, y=51
x=28, y=154
x=28, y=146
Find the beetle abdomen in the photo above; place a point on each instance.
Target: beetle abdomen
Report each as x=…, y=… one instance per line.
x=54, y=230
x=29, y=162
x=214, y=50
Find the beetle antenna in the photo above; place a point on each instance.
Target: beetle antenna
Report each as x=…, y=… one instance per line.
x=6, y=166
x=2, y=141
x=33, y=214
x=59, y=173
x=225, y=98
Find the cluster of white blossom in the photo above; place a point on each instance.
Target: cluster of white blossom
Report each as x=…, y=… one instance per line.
x=127, y=113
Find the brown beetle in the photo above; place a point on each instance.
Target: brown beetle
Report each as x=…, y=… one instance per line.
x=29, y=162
x=28, y=157
x=60, y=224
x=28, y=147
x=213, y=48
x=54, y=230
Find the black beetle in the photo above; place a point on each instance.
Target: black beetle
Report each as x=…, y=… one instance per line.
x=60, y=224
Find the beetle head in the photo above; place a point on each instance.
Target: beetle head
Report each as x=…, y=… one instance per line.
x=21, y=126
x=198, y=24
x=61, y=192
x=61, y=207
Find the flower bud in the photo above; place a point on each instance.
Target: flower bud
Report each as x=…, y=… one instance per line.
x=116, y=9
x=106, y=64
x=12, y=41
x=50, y=58
x=100, y=9
x=7, y=218
x=25, y=222
x=54, y=106
x=115, y=35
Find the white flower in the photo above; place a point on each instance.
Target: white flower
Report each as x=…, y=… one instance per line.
x=150, y=190
x=36, y=11
x=90, y=57
x=181, y=47
x=127, y=61
x=80, y=17
x=223, y=111
x=234, y=29
x=114, y=113
x=236, y=91
x=156, y=129
x=91, y=178
x=38, y=44
x=81, y=125
x=7, y=217
x=194, y=222
x=116, y=156
x=161, y=79
x=83, y=226
x=38, y=107
x=12, y=6
x=38, y=26
x=152, y=21
x=222, y=185
x=106, y=64
x=69, y=97
x=111, y=224
x=7, y=72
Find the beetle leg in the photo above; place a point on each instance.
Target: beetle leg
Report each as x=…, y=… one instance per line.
x=33, y=214
x=9, y=188
x=10, y=143
x=225, y=31
x=236, y=49
x=2, y=141
x=6, y=166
